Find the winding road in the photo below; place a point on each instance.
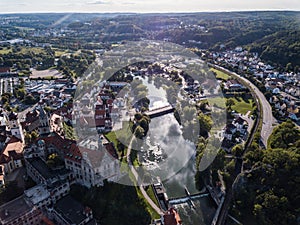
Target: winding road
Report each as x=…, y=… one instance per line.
x=269, y=122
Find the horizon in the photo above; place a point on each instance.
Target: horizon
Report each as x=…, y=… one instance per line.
x=154, y=12
x=145, y=6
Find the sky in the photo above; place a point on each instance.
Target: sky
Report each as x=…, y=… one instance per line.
x=141, y=6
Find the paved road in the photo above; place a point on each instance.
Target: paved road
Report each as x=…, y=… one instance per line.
x=269, y=122
x=136, y=176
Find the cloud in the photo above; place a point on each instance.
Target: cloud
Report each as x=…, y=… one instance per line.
x=98, y=2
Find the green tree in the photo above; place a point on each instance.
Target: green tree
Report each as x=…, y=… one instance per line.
x=237, y=150
x=205, y=123
x=229, y=103
x=139, y=132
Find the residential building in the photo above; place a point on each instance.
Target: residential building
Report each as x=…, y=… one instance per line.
x=20, y=211
x=55, y=180
x=69, y=211
x=89, y=162
x=11, y=157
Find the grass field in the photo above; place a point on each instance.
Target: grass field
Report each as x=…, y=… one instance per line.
x=240, y=105
x=220, y=75
x=124, y=135
x=151, y=194
x=217, y=101
x=151, y=211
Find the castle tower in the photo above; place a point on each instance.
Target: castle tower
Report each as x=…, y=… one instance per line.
x=44, y=127
x=15, y=126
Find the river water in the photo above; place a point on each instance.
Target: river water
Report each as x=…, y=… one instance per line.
x=170, y=157
x=178, y=178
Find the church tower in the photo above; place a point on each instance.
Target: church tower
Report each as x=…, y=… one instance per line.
x=15, y=126
x=41, y=146
x=44, y=127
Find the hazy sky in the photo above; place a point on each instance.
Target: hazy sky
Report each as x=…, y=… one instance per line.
x=8, y=6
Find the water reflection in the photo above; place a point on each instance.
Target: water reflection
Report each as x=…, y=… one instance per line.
x=169, y=156
x=157, y=148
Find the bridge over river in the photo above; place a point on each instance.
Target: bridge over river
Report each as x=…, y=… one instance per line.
x=160, y=111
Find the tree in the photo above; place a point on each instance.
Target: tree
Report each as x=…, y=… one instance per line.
x=139, y=132
x=29, y=99
x=271, y=186
x=229, y=103
x=54, y=161
x=288, y=67
x=237, y=150
x=27, y=137
x=205, y=123
x=284, y=136
x=34, y=135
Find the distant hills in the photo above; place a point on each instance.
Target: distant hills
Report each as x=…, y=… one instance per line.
x=274, y=35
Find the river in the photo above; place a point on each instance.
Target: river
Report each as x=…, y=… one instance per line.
x=170, y=157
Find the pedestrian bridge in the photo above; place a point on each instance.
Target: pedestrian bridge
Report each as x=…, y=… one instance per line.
x=160, y=111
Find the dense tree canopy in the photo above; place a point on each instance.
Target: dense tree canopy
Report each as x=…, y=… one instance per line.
x=271, y=188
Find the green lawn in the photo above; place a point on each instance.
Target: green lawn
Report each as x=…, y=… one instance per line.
x=111, y=136
x=123, y=134
x=220, y=75
x=150, y=210
x=217, y=101
x=24, y=50
x=240, y=105
x=151, y=194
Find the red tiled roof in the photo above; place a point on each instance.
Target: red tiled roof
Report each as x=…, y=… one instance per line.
x=74, y=152
x=47, y=221
x=64, y=111
x=172, y=217
x=69, y=147
x=100, y=122
x=13, y=150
